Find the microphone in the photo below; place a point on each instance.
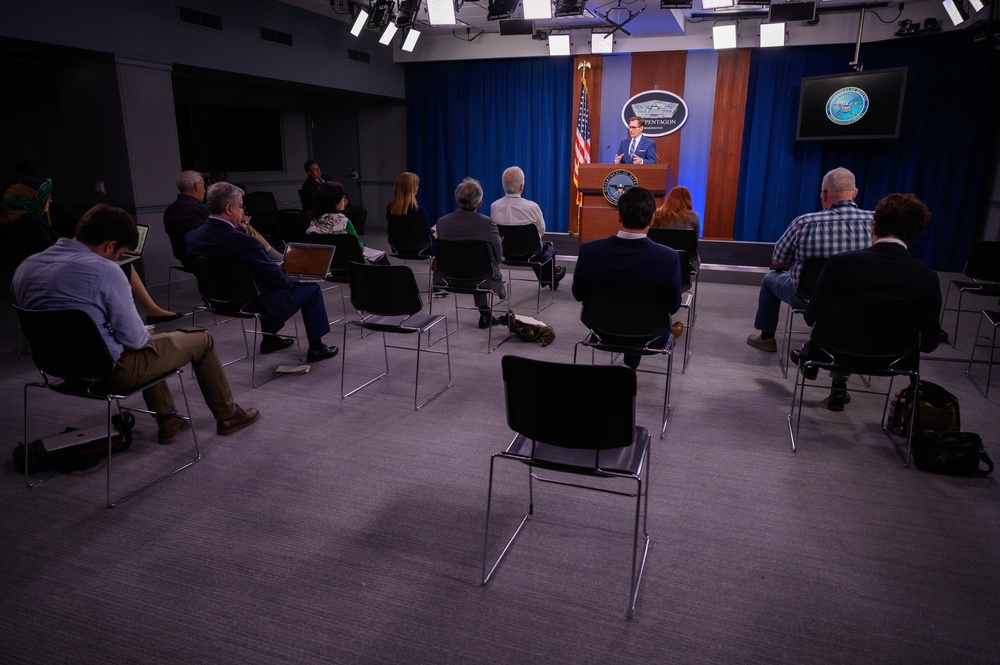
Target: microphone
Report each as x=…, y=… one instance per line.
x=606, y=148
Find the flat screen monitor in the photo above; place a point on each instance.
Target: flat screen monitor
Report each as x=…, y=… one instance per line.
x=863, y=105
x=787, y=12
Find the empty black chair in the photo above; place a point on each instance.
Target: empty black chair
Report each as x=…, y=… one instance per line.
x=983, y=269
x=466, y=267
x=992, y=320
x=409, y=240
x=629, y=321
x=263, y=211
x=291, y=226
x=596, y=441
x=73, y=364
x=811, y=270
x=228, y=288
x=388, y=301
x=685, y=242
x=520, y=245
x=865, y=336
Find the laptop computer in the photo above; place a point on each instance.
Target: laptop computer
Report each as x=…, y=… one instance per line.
x=130, y=255
x=305, y=262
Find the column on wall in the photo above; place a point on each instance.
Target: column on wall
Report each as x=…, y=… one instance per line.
x=727, y=143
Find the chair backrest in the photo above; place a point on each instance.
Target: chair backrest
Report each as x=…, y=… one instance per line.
x=520, y=241
x=260, y=203
x=348, y=250
x=384, y=290
x=225, y=282
x=865, y=327
x=642, y=314
x=686, y=270
x=683, y=240
x=984, y=261
x=603, y=399
x=292, y=225
x=407, y=236
x=464, y=260
x=305, y=200
x=808, y=277
x=65, y=343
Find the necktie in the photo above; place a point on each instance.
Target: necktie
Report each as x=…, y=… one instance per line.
x=631, y=149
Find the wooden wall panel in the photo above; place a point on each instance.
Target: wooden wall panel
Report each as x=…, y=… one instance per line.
x=726, y=144
x=658, y=71
x=594, y=101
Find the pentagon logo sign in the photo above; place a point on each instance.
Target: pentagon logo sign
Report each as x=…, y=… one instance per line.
x=664, y=112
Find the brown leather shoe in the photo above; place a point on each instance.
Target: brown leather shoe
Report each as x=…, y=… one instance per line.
x=170, y=427
x=242, y=418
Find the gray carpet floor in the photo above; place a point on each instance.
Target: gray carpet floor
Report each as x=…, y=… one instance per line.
x=351, y=531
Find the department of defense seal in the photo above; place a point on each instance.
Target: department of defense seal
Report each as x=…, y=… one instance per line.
x=617, y=183
x=846, y=106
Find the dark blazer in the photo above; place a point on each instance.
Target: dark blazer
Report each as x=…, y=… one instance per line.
x=884, y=270
x=471, y=225
x=618, y=263
x=217, y=237
x=309, y=188
x=646, y=149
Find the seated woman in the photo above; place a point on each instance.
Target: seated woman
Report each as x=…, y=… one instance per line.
x=328, y=218
x=26, y=231
x=677, y=213
x=404, y=206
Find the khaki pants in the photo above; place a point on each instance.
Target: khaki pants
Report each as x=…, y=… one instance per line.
x=169, y=351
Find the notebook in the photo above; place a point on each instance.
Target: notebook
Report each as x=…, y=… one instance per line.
x=305, y=262
x=130, y=255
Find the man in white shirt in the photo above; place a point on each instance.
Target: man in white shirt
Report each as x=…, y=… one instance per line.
x=513, y=210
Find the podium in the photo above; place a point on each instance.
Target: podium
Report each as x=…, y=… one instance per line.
x=598, y=217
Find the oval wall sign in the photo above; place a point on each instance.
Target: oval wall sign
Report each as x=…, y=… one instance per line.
x=664, y=112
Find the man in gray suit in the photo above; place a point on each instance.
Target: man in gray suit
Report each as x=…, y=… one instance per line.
x=467, y=224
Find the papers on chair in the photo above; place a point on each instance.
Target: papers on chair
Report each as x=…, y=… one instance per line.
x=373, y=255
x=293, y=369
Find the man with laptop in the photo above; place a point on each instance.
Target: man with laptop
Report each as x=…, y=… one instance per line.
x=80, y=273
x=280, y=296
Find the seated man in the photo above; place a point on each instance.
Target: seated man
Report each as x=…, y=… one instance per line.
x=280, y=297
x=513, y=210
x=629, y=260
x=840, y=227
x=189, y=212
x=314, y=178
x=884, y=270
x=82, y=273
x=467, y=224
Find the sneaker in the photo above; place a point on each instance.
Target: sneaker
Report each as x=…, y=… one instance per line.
x=769, y=345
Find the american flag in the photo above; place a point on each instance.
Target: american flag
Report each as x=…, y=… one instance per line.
x=581, y=146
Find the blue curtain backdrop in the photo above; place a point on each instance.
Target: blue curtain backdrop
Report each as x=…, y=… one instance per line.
x=477, y=118
x=947, y=132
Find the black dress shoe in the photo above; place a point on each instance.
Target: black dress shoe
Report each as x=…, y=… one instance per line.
x=560, y=272
x=321, y=352
x=810, y=372
x=272, y=343
x=153, y=320
x=837, y=400
x=487, y=320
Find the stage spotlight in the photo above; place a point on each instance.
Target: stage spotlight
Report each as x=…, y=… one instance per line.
x=407, y=12
x=381, y=14
x=977, y=5
x=388, y=34
x=441, y=12
x=412, y=35
x=675, y=4
x=602, y=42
x=955, y=12
x=499, y=9
x=723, y=37
x=772, y=34
x=537, y=9
x=717, y=4
x=558, y=44
x=359, y=22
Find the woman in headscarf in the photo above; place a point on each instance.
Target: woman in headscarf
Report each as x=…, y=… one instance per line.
x=26, y=230
x=23, y=214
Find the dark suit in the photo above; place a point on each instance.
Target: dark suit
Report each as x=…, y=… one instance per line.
x=280, y=297
x=621, y=263
x=646, y=149
x=884, y=270
x=471, y=225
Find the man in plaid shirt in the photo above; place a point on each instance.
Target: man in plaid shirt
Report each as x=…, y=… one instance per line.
x=840, y=227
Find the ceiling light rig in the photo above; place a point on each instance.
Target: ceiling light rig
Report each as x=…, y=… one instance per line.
x=407, y=13
x=558, y=44
x=617, y=25
x=772, y=34
x=602, y=42
x=724, y=36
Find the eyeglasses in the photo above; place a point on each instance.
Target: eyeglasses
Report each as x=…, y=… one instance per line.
x=633, y=126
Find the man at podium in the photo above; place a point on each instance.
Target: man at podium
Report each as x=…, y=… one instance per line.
x=636, y=149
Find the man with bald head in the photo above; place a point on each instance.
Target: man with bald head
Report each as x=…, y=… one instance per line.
x=840, y=227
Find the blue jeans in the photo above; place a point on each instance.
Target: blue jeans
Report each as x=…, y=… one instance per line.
x=776, y=287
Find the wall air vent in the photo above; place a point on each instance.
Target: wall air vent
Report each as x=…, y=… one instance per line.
x=359, y=56
x=197, y=17
x=276, y=36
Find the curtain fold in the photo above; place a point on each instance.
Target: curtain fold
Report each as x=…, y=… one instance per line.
x=947, y=133
x=477, y=118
